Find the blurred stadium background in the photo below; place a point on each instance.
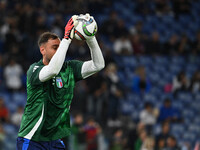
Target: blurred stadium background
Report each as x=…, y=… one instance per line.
x=148, y=95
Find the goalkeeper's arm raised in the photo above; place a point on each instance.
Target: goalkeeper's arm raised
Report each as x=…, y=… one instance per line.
x=56, y=62
x=97, y=63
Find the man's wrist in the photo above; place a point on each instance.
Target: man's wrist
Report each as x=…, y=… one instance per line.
x=91, y=40
x=67, y=40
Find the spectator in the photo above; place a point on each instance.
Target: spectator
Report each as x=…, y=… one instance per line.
x=165, y=133
x=137, y=44
x=122, y=46
x=143, y=7
x=118, y=142
x=140, y=141
x=169, y=113
x=121, y=29
x=80, y=99
x=195, y=82
x=12, y=37
x=97, y=6
x=17, y=116
x=162, y=8
x=149, y=144
x=115, y=93
x=181, y=7
x=172, y=143
x=160, y=144
x=137, y=28
x=196, y=43
x=77, y=133
x=4, y=113
x=92, y=130
x=132, y=135
x=148, y=116
x=197, y=146
x=171, y=45
x=140, y=82
x=12, y=74
x=98, y=96
x=110, y=25
x=180, y=83
x=184, y=46
x=153, y=45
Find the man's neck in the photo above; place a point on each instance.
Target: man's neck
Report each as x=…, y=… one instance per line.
x=45, y=62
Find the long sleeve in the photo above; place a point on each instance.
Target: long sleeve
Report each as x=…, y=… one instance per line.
x=97, y=63
x=56, y=63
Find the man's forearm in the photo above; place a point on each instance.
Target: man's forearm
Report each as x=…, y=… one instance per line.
x=97, y=63
x=56, y=63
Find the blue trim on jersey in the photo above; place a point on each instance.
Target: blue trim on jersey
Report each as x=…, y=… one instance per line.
x=62, y=143
x=25, y=144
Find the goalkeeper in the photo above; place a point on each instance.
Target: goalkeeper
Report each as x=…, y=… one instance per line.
x=50, y=85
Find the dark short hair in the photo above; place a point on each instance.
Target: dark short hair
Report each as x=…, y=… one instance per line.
x=167, y=100
x=172, y=137
x=148, y=104
x=44, y=37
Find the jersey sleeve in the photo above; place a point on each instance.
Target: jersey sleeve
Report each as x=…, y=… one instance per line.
x=33, y=74
x=76, y=66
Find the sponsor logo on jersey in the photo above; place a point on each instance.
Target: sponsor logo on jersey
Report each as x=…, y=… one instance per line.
x=59, y=82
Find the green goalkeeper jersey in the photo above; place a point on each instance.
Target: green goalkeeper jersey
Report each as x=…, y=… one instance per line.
x=46, y=114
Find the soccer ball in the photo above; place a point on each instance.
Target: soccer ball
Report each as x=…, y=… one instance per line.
x=86, y=28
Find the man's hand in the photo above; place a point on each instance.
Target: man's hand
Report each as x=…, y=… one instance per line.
x=69, y=28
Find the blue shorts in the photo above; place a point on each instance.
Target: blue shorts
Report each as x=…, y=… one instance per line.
x=25, y=144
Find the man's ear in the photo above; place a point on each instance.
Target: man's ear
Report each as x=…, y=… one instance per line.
x=42, y=50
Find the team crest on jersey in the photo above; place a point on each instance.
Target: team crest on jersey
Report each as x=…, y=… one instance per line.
x=59, y=82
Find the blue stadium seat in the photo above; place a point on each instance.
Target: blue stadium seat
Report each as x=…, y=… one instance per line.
x=9, y=129
x=162, y=60
x=167, y=77
x=6, y=97
x=163, y=96
x=185, y=97
x=175, y=68
x=189, y=137
x=153, y=77
x=167, y=19
x=197, y=121
x=143, y=60
x=157, y=129
x=188, y=113
x=12, y=107
x=158, y=68
x=147, y=28
x=195, y=105
x=129, y=61
x=194, y=128
x=177, y=60
x=152, y=19
x=135, y=115
x=19, y=99
x=148, y=97
x=126, y=108
x=177, y=128
x=197, y=96
x=178, y=104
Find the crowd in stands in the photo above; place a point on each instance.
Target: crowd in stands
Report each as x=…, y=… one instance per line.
x=97, y=119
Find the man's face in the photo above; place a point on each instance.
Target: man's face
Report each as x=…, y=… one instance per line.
x=165, y=129
x=48, y=49
x=171, y=143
